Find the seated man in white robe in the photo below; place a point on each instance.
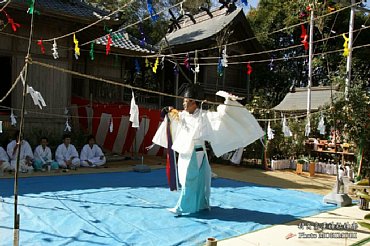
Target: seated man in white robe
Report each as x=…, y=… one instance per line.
x=42, y=156
x=26, y=155
x=4, y=160
x=91, y=154
x=66, y=154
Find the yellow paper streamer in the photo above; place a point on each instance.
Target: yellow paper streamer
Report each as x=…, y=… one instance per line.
x=154, y=68
x=77, y=49
x=345, y=45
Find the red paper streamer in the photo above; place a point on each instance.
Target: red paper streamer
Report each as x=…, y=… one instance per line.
x=304, y=37
x=109, y=43
x=249, y=68
x=187, y=62
x=41, y=44
x=11, y=22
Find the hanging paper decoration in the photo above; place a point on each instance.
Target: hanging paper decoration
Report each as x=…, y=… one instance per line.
x=286, y=57
x=147, y=63
x=197, y=68
x=175, y=69
x=31, y=8
x=162, y=63
x=304, y=37
x=286, y=129
x=67, y=127
x=13, y=24
x=307, y=129
x=271, y=64
x=77, y=49
x=330, y=9
x=270, y=132
x=134, y=112
x=55, y=50
x=66, y=111
x=111, y=125
x=345, y=46
x=245, y=2
x=13, y=120
x=321, y=125
x=220, y=68
x=249, y=68
x=224, y=58
x=137, y=66
x=40, y=43
x=156, y=63
x=92, y=51
x=1, y=126
x=151, y=10
x=109, y=43
x=143, y=37
x=37, y=98
x=187, y=61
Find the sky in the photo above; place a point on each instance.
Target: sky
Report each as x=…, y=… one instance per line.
x=252, y=3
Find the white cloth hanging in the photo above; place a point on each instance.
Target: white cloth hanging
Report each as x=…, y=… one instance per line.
x=111, y=125
x=13, y=120
x=134, y=112
x=286, y=130
x=307, y=129
x=270, y=132
x=321, y=125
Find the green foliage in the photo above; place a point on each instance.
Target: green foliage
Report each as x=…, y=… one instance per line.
x=273, y=15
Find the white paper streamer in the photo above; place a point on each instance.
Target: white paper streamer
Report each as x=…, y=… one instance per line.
x=13, y=120
x=224, y=58
x=307, y=129
x=286, y=130
x=55, y=50
x=321, y=125
x=134, y=112
x=37, y=98
x=111, y=125
x=67, y=128
x=270, y=132
x=1, y=126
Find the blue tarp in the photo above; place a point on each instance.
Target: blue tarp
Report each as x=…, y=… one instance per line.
x=129, y=208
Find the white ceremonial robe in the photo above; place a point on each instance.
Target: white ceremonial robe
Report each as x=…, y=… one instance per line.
x=63, y=154
x=4, y=158
x=227, y=129
x=43, y=155
x=26, y=151
x=92, y=155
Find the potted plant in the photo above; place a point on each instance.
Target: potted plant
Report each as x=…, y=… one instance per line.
x=300, y=163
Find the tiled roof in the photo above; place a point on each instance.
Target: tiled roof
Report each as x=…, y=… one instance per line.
x=205, y=27
x=77, y=8
x=123, y=40
x=297, y=101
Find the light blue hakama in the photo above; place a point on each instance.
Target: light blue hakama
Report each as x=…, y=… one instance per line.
x=195, y=193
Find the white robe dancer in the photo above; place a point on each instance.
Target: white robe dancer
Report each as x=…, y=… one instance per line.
x=26, y=153
x=94, y=155
x=63, y=154
x=227, y=129
x=4, y=160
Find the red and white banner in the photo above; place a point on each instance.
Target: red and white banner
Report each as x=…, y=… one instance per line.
x=123, y=138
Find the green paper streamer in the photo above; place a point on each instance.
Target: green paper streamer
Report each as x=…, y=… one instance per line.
x=92, y=51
